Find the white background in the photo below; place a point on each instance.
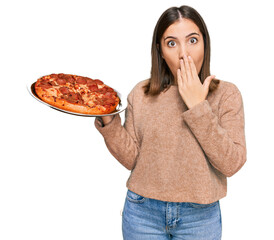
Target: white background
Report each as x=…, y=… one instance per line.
x=57, y=179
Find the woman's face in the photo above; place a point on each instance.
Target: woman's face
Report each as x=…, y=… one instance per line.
x=182, y=38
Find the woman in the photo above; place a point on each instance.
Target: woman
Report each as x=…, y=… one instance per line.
x=183, y=136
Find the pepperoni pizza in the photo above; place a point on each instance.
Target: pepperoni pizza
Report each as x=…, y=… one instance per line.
x=77, y=94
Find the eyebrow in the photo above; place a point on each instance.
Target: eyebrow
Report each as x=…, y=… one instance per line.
x=172, y=37
x=194, y=33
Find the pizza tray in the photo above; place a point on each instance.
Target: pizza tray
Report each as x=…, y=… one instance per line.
x=120, y=108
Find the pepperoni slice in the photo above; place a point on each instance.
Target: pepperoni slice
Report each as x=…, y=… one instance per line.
x=64, y=90
x=69, y=78
x=61, y=75
x=53, y=76
x=109, y=101
x=93, y=88
x=66, y=77
x=81, y=80
x=109, y=89
x=44, y=84
x=74, y=98
x=98, y=81
x=106, y=101
x=90, y=81
x=92, y=84
x=109, y=95
x=61, y=81
x=102, y=90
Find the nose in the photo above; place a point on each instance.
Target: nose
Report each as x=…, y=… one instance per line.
x=182, y=51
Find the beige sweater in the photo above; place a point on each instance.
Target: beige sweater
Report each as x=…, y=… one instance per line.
x=178, y=154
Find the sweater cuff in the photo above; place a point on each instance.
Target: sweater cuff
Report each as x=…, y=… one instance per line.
x=109, y=128
x=197, y=112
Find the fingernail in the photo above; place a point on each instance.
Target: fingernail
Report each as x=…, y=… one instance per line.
x=189, y=57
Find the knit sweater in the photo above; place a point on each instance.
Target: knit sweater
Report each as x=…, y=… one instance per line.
x=177, y=154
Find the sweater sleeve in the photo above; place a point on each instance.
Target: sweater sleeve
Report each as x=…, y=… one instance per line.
x=222, y=137
x=121, y=140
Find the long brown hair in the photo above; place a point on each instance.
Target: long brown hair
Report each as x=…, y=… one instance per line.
x=161, y=77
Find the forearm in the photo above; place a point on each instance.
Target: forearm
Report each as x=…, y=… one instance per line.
x=118, y=140
x=224, y=146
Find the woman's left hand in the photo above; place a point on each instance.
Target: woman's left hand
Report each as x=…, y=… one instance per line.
x=190, y=87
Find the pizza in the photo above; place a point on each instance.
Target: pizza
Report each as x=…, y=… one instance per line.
x=77, y=94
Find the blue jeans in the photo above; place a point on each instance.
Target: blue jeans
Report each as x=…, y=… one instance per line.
x=150, y=219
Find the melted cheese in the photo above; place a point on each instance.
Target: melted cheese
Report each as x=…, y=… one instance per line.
x=52, y=92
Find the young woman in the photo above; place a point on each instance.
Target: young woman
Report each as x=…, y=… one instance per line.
x=183, y=136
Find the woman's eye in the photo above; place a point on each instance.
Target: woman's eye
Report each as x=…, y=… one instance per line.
x=193, y=40
x=171, y=44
